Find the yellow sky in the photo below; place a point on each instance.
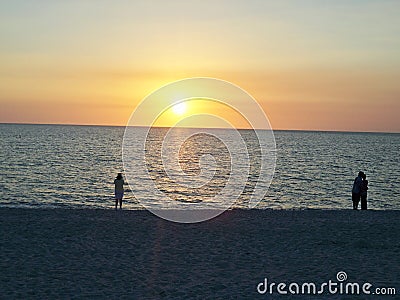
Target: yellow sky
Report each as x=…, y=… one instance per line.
x=311, y=66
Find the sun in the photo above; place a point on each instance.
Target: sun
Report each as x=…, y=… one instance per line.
x=179, y=109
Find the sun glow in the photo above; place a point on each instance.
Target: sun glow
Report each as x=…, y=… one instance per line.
x=185, y=114
x=179, y=109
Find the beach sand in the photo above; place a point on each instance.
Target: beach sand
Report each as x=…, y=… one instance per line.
x=59, y=253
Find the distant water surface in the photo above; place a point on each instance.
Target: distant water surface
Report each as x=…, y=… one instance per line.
x=74, y=167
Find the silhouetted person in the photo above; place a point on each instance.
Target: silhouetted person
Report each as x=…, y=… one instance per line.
x=363, y=192
x=119, y=190
x=356, y=192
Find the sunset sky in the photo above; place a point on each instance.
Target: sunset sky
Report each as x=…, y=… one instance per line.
x=311, y=65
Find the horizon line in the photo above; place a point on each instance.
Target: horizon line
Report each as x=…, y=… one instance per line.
x=140, y=126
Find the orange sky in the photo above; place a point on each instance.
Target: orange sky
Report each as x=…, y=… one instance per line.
x=311, y=67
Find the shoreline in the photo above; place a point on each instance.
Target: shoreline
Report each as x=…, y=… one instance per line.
x=130, y=209
x=78, y=253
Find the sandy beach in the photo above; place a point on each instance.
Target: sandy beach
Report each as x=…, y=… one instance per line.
x=64, y=254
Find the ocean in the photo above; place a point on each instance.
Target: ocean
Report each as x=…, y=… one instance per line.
x=65, y=166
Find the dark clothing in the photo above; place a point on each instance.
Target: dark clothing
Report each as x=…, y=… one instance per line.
x=357, y=185
x=364, y=187
x=363, y=194
x=356, y=192
x=364, y=202
x=356, y=199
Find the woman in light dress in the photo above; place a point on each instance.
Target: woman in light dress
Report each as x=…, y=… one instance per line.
x=119, y=190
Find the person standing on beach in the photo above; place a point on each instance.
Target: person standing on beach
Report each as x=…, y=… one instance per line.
x=119, y=190
x=356, y=192
x=363, y=192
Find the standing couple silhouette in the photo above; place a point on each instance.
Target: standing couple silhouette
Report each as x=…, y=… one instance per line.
x=359, y=192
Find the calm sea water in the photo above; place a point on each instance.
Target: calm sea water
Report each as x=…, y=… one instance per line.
x=74, y=167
